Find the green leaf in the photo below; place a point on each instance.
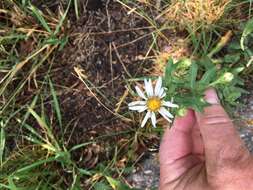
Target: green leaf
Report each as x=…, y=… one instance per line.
x=193, y=75
x=231, y=94
x=168, y=72
x=247, y=30
x=208, y=76
x=39, y=16
x=206, y=62
x=195, y=101
x=238, y=70
x=232, y=58
x=84, y=172
x=233, y=46
x=101, y=186
x=225, y=78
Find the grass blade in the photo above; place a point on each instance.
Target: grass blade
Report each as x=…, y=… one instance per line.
x=29, y=167
x=76, y=8
x=5, y=186
x=2, y=145
x=56, y=105
x=27, y=114
x=80, y=146
x=43, y=124
x=62, y=20
x=39, y=16
x=11, y=183
x=84, y=172
x=33, y=131
x=247, y=30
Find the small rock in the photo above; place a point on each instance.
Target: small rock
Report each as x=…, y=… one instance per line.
x=148, y=172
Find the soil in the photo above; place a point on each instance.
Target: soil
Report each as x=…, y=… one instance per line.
x=109, y=46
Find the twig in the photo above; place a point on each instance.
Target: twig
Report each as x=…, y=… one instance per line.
x=121, y=62
x=81, y=76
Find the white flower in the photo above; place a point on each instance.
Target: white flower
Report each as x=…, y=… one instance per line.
x=153, y=102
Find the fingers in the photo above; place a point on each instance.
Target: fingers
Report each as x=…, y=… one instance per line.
x=177, y=141
x=198, y=147
x=175, y=146
x=221, y=141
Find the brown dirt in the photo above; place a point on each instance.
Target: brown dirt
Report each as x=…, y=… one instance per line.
x=108, y=45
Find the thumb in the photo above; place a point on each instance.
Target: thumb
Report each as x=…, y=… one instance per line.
x=222, y=144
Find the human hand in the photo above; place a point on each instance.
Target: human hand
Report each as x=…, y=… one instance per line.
x=204, y=151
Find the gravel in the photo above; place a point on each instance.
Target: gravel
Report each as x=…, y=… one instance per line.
x=146, y=174
x=245, y=113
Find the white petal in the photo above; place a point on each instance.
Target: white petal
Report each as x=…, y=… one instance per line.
x=165, y=117
x=169, y=104
x=138, y=108
x=165, y=112
x=148, y=87
x=147, y=116
x=140, y=93
x=158, y=86
x=135, y=103
x=142, y=109
x=153, y=119
x=161, y=93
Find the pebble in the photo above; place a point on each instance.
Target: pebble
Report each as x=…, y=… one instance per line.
x=148, y=172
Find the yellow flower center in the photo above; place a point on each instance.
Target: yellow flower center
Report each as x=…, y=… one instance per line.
x=154, y=104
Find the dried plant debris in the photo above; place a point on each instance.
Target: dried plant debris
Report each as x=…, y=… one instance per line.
x=196, y=13
x=176, y=48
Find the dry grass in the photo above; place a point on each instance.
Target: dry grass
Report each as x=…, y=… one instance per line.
x=177, y=49
x=196, y=13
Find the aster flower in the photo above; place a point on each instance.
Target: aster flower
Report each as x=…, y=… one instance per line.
x=153, y=102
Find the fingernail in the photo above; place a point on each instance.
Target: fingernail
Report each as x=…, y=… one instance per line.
x=211, y=96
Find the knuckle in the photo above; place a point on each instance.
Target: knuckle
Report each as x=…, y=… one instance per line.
x=229, y=157
x=228, y=166
x=229, y=160
x=217, y=120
